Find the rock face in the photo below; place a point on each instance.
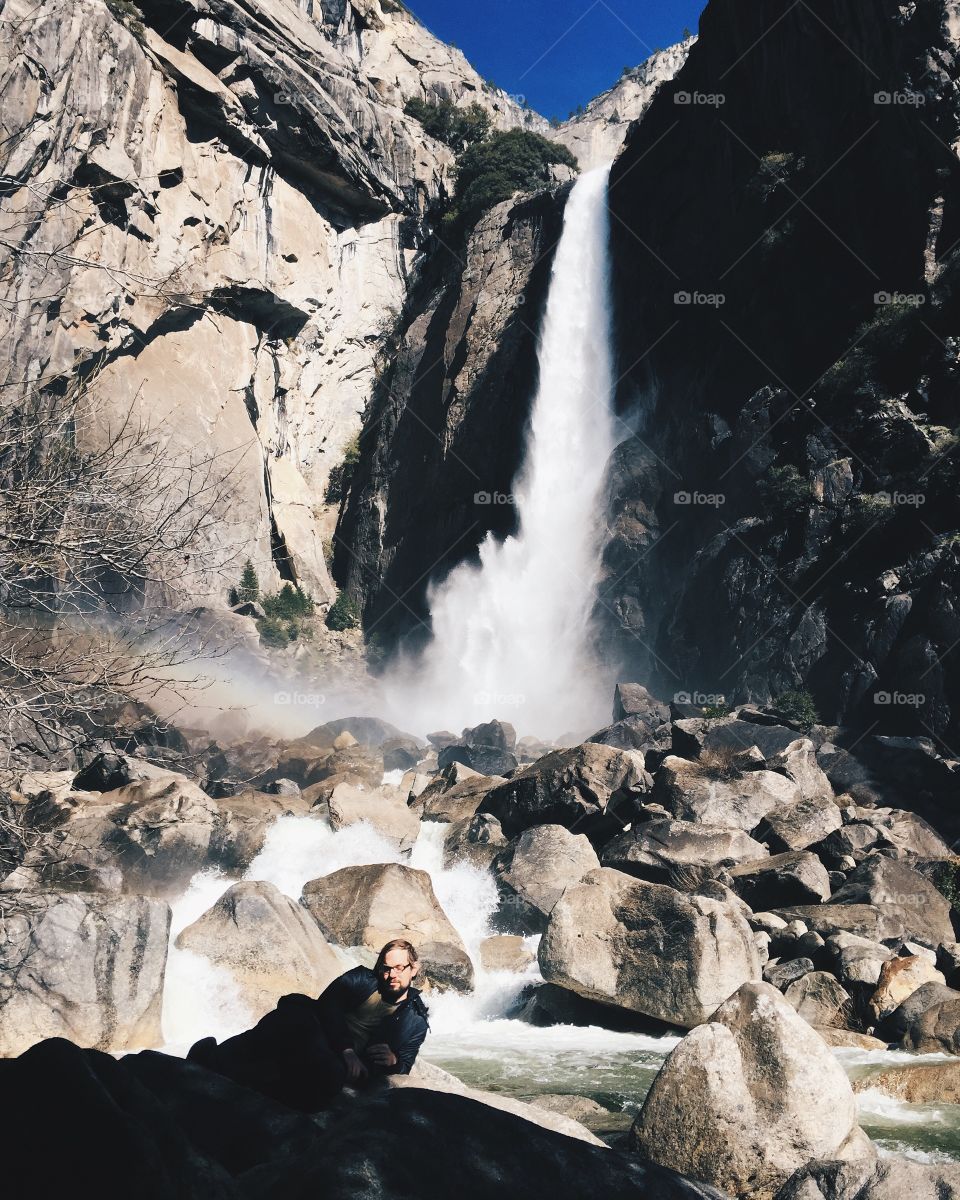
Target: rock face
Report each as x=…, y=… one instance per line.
x=367, y=906
x=647, y=948
x=582, y=788
x=724, y=601
x=534, y=872
x=271, y=945
x=745, y=1101
x=84, y=967
x=249, y=190
x=595, y=136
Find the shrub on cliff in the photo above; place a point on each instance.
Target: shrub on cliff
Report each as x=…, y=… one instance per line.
x=343, y=614
x=799, y=707
x=338, y=482
x=784, y=490
x=491, y=171
x=444, y=120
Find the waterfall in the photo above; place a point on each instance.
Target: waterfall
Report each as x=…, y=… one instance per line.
x=511, y=636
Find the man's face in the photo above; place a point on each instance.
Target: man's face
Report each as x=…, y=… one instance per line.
x=394, y=975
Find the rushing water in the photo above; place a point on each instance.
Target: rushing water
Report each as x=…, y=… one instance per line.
x=497, y=627
x=470, y=1035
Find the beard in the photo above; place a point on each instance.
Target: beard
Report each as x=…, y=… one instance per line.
x=390, y=995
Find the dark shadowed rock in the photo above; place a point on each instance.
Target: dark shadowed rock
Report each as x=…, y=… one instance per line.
x=795, y=878
x=886, y=1179
x=927, y=997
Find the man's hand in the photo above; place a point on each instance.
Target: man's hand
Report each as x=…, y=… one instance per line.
x=356, y=1070
x=381, y=1055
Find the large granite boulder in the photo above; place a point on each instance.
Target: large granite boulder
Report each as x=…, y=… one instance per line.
x=899, y=978
x=693, y=791
x=798, y=761
x=856, y=959
x=583, y=788
x=487, y=749
x=534, y=871
x=820, y=1000
x=895, y=888
x=456, y=793
x=746, y=1100
x=270, y=944
x=648, y=948
x=657, y=850
x=476, y=840
x=85, y=967
x=367, y=906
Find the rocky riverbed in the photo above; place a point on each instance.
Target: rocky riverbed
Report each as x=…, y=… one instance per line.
x=690, y=937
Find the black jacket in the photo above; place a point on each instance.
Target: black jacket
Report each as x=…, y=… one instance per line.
x=403, y=1031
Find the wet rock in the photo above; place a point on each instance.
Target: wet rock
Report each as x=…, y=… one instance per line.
x=655, y=849
x=929, y=996
x=583, y=787
x=505, y=953
x=936, y=1083
x=488, y=749
x=456, y=793
x=693, y=792
x=476, y=840
x=367, y=731
x=269, y=943
x=849, y=1039
x=400, y=754
x=746, y=1100
x=820, y=1000
x=384, y=809
x=282, y=787
x=84, y=967
x=369, y=905
x=534, y=872
x=796, y=878
x=800, y=825
x=899, y=978
x=648, y=948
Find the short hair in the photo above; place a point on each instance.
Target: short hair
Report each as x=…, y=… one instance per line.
x=397, y=944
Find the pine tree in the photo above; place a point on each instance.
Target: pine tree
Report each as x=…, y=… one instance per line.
x=249, y=588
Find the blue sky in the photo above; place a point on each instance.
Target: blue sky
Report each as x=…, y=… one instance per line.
x=557, y=53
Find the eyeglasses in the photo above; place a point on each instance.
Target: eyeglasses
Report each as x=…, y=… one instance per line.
x=385, y=970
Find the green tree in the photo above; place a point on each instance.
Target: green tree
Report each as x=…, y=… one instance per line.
x=444, y=120
x=249, y=588
x=338, y=482
x=343, y=614
x=491, y=171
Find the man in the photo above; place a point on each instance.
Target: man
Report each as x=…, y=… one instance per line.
x=366, y=1023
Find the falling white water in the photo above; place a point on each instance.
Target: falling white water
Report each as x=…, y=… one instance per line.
x=511, y=636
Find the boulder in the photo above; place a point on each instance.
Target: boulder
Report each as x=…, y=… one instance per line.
x=853, y=840
x=935, y=1083
x=85, y=967
x=820, y=1000
x=692, y=791
x=582, y=787
x=745, y=1101
x=795, y=878
x=505, y=953
x=271, y=945
x=487, y=748
x=476, y=840
x=884, y=1179
x=895, y=888
x=781, y=974
x=534, y=871
x=848, y=1039
x=856, y=959
x=647, y=948
x=656, y=849
x=798, y=761
x=875, y=922
x=456, y=794
x=367, y=731
x=912, y=834
x=928, y=997
x=633, y=700
x=800, y=825
x=738, y=733
x=899, y=978
x=401, y=753
x=384, y=808
x=367, y=906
